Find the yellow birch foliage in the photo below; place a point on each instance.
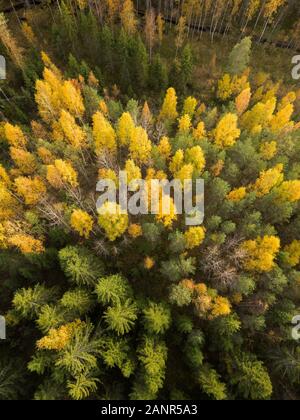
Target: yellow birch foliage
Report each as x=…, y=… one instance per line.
x=4, y=177
x=106, y=173
x=72, y=132
x=58, y=338
x=53, y=95
x=289, y=191
x=45, y=155
x=104, y=135
x=112, y=221
x=220, y=307
x=267, y=180
x=225, y=88
x=133, y=171
x=242, y=101
x=82, y=223
x=135, y=230
x=164, y=147
x=8, y=204
x=169, y=108
x=282, y=119
x=71, y=99
x=177, y=161
x=24, y=160
x=292, y=251
x=103, y=108
x=261, y=253
x=61, y=173
x=26, y=244
x=268, y=150
x=149, y=263
x=194, y=236
x=184, y=123
x=259, y=116
x=237, y=194
x=124, y=128
x=14, y=135
x=167, y=210
x=199, y=133
x=189, y=106
x=128, y=18
x=195, y=156
x=140, y=146
x=227, y=132
x=31, y=190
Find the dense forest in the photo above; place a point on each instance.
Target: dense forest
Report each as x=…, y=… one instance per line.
x=102, y=305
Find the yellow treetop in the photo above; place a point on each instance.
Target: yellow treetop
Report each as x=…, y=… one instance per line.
x=14, y=135
x=289, y=98
x=225, y=88
x=282, y=119
x=140, y=146
x=4, y=177
x=24, y=160
x=167, y=213
x=103, y=107
x=189, y=106
x=26, y=244
x=292, y=253
x=164, y=147
x=124, y=129
x=58, y=338
x=289, y=191
x=184, y=124
x=194, y=236
x=237, y=194
x=185, y=172
x=106, y=173
x=242, y=101
x=268, y=150
x=112, y=221
x=268, y=180
x=133, y=172
x=199, y=133
x=259, y=116
x=135, y=230
x=61, y=173
x=227, y=132
x=104, y=135
x=70, y=131
x=149, y=263
x=169, y=108
x=220, y=307
x=82, y=223
x=72, y=99
x=128, y=18
x=31, y=190
x=45, y=155
x=195, y=156
x=177, y=161
x=8, y=204
x=261, y=253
